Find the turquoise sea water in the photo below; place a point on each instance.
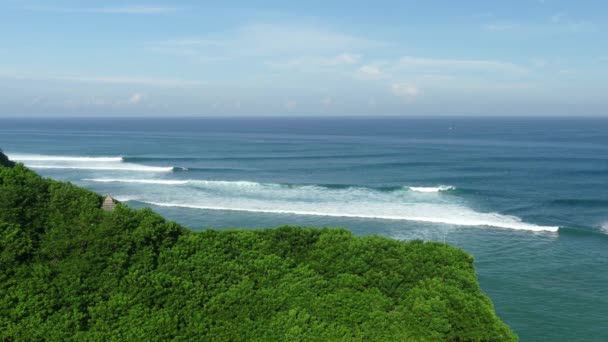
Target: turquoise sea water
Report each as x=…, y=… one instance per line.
x=528, y=197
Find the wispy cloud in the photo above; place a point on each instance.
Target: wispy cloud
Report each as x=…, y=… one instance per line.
x=143, y=9
x=97, y=101
x=287, y=38
x=371, y=72
x=291, y=104
x=270, y=40
x=405, y=90
x=327, y=102
x=299, y=62
x=136, y=99
x=446, y=64
x=156, y=82
x=559, y=22
x=483, y=15
x=110, y=80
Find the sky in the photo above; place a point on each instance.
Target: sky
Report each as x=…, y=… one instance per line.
x=303, y=58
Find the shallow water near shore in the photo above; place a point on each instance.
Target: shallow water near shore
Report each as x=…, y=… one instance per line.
x=527, y=197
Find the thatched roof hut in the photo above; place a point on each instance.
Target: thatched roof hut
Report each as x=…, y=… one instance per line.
x=108, y=203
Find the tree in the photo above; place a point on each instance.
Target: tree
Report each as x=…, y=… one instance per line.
x=71, y=271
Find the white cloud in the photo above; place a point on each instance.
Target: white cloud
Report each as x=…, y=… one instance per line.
x=135, y=98
x=327, y=102
x=346, y=58
x=439, y=64
x=157, y=82
x=299, y=62
x=501, y=26
x=559, y=17
x=483, y=15
x=118, y=80
x=117, y=10
x=291, y=104
x=558, y=23
x=187, y=45
x=291, y=39
x=371, y=72
x=84, y=102
x=271, y=40
x=405, y=90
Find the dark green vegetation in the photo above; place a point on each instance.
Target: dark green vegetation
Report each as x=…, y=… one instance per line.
x=4, y=161
x=69, y=270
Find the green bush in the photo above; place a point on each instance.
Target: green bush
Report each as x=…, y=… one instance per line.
x=71, y=271
x=4, y=161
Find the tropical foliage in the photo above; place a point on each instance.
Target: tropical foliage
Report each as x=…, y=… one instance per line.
x=71, y=271
x=4, y=161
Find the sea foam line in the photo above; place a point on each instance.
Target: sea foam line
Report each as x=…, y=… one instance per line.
x=354, y=202
x=238, y=184
x=138, y=181
x=432, y=189
x=39, y=157
x=488, y=220
x=119, y=167
x=250, y=184
x=37, y=161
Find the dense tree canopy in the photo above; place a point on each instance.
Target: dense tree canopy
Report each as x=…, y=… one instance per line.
x=4, y=161
x=69, y=270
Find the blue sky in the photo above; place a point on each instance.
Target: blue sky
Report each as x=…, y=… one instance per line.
x=96, y=58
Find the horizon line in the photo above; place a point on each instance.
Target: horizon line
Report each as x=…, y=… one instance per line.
x=315, y=116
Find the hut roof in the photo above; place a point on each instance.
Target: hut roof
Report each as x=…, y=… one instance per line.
x=108, y=203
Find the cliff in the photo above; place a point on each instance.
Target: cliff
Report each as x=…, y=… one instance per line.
x=72, y=271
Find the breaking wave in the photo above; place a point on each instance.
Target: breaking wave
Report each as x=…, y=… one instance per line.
x=465, y=217
x=180, y=182
x=138, y=181
x=220, y=183
x=317, y=200
x=124, y=167
x=407, y=203
x=36, y=161
x=432, y=189
x=38, y=157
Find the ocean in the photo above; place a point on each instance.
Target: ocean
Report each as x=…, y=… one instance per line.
x=527, y=197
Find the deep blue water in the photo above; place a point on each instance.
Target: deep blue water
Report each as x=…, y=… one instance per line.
x=528, y=197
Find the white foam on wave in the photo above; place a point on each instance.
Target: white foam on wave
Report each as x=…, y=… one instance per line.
x=244, y=184
x=202, y=183
x=477, y=219
x=36, y=161
x=432, y=189
x=355, y=202
x=126, y=198
x=124, y=167
x=604, y=227
x=39, y=157
x=138, y=181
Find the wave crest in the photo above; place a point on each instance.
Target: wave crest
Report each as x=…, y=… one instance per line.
x=137, y=181
x=315, y=200
x=39, y=157
x=479, y=219
x=37, y=161
x=432, y=189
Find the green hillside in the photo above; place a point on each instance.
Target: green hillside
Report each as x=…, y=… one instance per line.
x=71, y=271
